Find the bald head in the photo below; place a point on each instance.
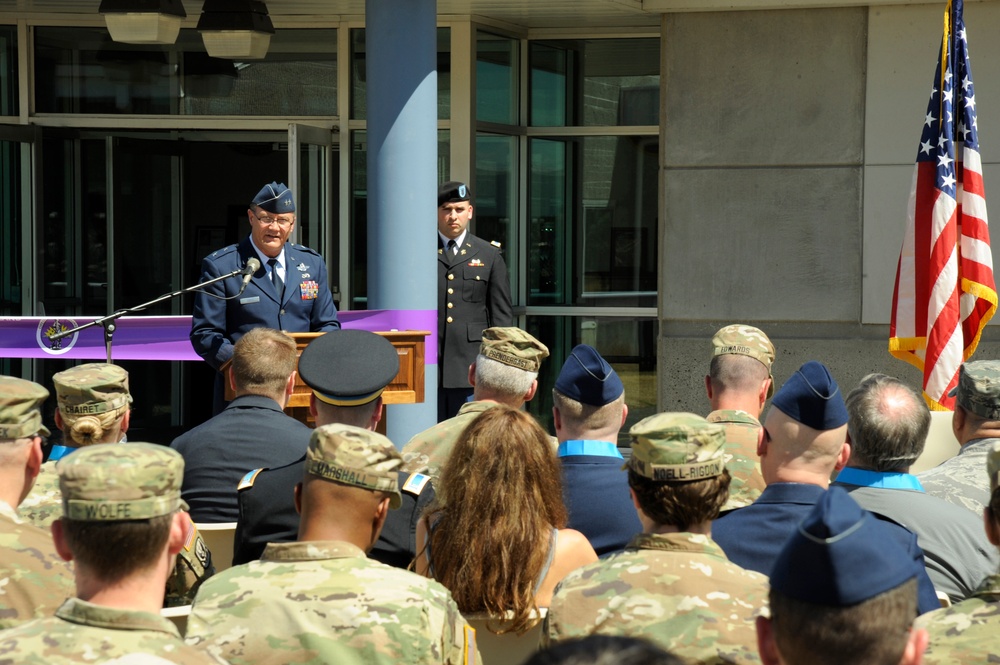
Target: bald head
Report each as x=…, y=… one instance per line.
x=888, y=424
x=794, y=452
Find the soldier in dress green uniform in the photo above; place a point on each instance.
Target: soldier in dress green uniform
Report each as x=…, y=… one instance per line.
x=123, y=524
x=672, y=585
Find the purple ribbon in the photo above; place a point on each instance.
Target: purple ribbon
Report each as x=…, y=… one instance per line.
x=166, y=337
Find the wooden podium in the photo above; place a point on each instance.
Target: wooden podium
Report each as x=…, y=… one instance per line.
x=406, y=388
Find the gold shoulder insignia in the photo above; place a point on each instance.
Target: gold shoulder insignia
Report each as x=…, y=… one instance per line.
x=415, y=483
x=247, y=481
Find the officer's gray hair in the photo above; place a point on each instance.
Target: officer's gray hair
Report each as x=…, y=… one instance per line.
x=502, y=380
x=887, y=422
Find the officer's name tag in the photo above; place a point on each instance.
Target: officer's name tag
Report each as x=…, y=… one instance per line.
x=247, y=301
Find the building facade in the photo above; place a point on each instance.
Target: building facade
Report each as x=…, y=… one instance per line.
x=653, y=172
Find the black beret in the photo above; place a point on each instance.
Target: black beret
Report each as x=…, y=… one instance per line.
x=453, y=192
x=348, y=367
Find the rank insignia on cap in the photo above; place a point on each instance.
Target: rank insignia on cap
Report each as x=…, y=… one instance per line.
x=302, y=267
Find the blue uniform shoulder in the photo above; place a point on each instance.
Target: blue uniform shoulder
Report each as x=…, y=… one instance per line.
x=219, y=253
x=304, y=250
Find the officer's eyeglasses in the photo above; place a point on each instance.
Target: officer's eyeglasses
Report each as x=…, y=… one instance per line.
x=267, y=220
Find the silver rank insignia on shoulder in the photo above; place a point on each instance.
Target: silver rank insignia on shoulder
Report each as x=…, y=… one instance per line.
x=495, y=243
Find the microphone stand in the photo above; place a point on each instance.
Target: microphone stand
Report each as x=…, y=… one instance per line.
x=108, y=322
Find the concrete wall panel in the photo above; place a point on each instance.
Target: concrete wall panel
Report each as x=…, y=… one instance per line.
x=762, y=244
x=850, y=351
x=768, y=87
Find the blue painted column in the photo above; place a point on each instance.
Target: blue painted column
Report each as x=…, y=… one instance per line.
x=401, y=45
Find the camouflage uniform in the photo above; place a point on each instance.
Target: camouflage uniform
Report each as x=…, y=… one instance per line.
x=965, y=632
x=742, y=431
x=81, y=632
x=325, y=601
x=960, y=480
x=102, y=484
x=428, y=451
x=94, y=388
x=742, y=428
x=34, y=580
x=970, y=630
x=675, y=589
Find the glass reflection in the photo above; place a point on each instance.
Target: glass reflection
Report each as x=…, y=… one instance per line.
x=593, y=221
x=8, y=70
x=496, y=79
x=594, y=82
x=629, y=345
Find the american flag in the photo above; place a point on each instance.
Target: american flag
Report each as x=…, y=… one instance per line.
x=944, y=293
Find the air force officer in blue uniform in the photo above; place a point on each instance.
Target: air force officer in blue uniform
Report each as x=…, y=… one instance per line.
x=288, y=292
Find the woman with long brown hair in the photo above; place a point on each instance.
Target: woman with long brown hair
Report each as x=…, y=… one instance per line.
x=497, y=537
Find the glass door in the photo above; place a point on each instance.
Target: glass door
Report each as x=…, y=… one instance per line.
x=312, y=179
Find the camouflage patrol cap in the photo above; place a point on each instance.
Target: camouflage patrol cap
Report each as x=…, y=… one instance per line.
x=20, y=408
x=677, y=447
x=514, y=347
x=978, y=388
x=744, y=340
x=91, y=389
x=993, y=465
x=355, y=456
x=110, y=482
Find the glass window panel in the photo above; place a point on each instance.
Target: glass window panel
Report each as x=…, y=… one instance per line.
x=495, y=195
x=628, y=344
x=359, y=100
x=8, y=70
x=595, y=82
x=358, y=296
x=607, y=186
x=496, y=79
x=11, y=281
x=81, y=70
x=73, y=256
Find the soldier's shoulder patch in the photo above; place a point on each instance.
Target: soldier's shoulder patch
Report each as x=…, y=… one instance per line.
x=415, y=483
x=495, y=244
x=247, y=481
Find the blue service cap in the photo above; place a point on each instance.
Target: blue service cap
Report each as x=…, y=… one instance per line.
x=348, y=367
x=275, y=198
x=813, y=398
x=588, y=378
x=839, y=556
x=453, y=192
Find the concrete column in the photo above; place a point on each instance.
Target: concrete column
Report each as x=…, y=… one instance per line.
x=401, y=45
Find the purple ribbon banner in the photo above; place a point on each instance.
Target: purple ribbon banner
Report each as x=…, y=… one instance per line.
x=166, y=337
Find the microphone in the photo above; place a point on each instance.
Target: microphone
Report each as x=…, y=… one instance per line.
x=252, y=266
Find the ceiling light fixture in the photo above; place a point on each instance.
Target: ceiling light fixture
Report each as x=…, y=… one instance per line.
x=143, y=21
x=235, y=29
